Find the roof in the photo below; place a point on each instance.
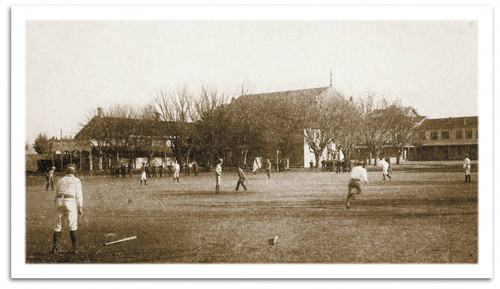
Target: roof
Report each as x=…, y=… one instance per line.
x=450, y=122
x=305, y=95
x=124, y=127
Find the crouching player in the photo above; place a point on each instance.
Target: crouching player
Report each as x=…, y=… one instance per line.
x=358, y=174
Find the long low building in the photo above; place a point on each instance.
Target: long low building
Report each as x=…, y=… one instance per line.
x=447, y=139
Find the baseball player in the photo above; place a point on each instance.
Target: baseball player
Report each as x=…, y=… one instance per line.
x=358, y=173
x=385, y=168
x=69, y=204
x=218, y=176
x=255, y=166
x=50, y=179
x=466, y=167
x=268, y=169
x=177, y=170
x=143, y=174
x=242, y=178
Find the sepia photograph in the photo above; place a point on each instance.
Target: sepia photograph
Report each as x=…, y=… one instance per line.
x=178, y=139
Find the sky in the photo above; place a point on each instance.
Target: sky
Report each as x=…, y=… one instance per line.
x=73, y=67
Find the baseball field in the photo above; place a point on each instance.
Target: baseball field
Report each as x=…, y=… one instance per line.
x=425, y=214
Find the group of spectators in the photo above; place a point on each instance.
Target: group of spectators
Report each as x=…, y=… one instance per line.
x=153, y=171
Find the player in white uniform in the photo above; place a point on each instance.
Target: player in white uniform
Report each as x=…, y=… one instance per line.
x=50, y=178
x=466, y=167
x=385, y=168
x=268, y=169
x=177, y=170
x=358, y=174
x=69, y=204
x=218, y=176
x=143, y=174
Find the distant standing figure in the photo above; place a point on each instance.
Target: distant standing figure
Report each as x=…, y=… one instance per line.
x=123, y=170
x=177, y=170
x=195, y=168
x=255, y=167
x=154, y=171
x=50, y=179
x=69, y=203
x=311, y=166
x=144, y=178
x=388, y=160
x=268, y=169
x=218, y=176
x=385, y=167
x=160, y=168
x=169, y=169
x=338, y=164
x=148, y=174
x=242, y=178
x=358, y=173
x=466, y=167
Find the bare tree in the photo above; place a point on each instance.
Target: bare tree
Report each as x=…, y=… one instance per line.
x=323, y=122
x=174, y=110
x=376, y=124
x=212, y=122
x=350, y=131
x=405, y=125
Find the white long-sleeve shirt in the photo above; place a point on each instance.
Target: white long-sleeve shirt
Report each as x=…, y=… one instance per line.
x=359, y=173
x=70, y=185
x=384, y=165
x=467, y=163
x=218, y=170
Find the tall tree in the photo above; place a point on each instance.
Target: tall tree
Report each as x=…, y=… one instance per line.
x=212, y=123
x=376, y=124
x=405, y=124
x=323, y=121
x=42, y=144
x=350, y=133
x=174, y=109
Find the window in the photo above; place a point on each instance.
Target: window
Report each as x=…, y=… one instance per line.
x=468, y=133
x=459, y=134
x=445, y=135
x=422, y=135
x=477, y=134
x=434, y=135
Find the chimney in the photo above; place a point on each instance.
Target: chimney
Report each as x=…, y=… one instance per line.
x=99, y=111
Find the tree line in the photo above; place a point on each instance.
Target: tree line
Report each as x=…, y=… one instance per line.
x=211, y=124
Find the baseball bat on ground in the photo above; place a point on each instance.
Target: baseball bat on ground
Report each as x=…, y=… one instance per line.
x=121, y=240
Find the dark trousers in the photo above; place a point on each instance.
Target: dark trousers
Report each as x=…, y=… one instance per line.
x=242, y=183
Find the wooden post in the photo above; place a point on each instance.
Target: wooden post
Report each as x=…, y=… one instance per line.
x=61, y=151
x=277, y=161
x=90, y=158
x=71, y=157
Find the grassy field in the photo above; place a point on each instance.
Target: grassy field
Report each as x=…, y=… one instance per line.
x=417, y=217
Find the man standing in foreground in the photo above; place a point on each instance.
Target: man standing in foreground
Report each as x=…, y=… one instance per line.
x=466, y=167
x=358, y=173
x=242, y=178
x=69, y=203
x=218, y=176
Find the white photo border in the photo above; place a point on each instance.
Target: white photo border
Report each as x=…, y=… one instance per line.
x=482, y=14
